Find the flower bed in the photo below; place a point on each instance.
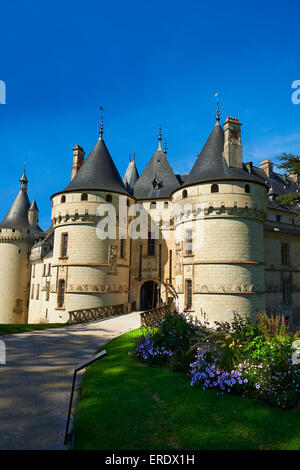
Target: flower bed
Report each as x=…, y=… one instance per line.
x=248, y=357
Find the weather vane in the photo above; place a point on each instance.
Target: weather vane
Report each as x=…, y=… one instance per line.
x=218, y=110
x=101, y=124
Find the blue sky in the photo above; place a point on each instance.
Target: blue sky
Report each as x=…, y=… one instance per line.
x=147, y=63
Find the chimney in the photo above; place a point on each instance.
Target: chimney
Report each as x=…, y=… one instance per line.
x=233, y=150
x=33, y=214
x=267, y=166
x=249, y=166
x=78, y=159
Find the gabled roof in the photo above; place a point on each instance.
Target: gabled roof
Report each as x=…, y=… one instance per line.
x=131, y=176
x=211, y=165
x=157, y=180
x=98, y=173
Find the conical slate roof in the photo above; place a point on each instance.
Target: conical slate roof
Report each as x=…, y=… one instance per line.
x=98, y=173
x=17, y=216
x=131, y=176
x=211, y=165
x=157, y=180
x=34, y=206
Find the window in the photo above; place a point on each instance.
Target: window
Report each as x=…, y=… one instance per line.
x=122, y=248
x=63, y=199
x=287, y=291
x=61, y=293
x=247, y=188
x=214, y=188
x=285, y=254
x=166, y=205
x=64, y=244
x=49, y=269
x=189, y=242
x=37, y=292
x=47, y=290
x=18, y=305
x=32, y=291
x=188, y=293
x=150, y=245
x=184, y=193
x=84, y=197
x=33, y=270
x=278, y=218
x=44, y=272
x=108, y=198
x=153, y=205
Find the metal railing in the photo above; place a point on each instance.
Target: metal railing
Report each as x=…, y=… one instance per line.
x=153, y=316
x=85, y=315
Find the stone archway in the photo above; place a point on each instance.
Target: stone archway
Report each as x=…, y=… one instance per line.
x=150, y=295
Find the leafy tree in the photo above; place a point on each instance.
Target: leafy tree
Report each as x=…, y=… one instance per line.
x=291, y=163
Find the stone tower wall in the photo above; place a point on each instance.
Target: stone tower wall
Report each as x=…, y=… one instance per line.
x=14, y=274
x=226, y=265
x=93, y=271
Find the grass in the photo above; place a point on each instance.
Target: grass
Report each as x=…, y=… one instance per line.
x=8, y=329
x=127, y=405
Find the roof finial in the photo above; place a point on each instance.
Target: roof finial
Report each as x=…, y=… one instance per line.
x=129, y=157
x=101, y=124
x=134, y=156
x=159, y=138
x=218, y=109
x=165, y=146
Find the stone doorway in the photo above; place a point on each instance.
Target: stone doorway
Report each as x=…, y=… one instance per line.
x=150, y=295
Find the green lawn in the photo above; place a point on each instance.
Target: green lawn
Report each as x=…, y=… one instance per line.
x=7, y=329
x=127, y=405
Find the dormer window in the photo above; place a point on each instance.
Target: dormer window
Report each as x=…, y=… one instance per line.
x=214, y=188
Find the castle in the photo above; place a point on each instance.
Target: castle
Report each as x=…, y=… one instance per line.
x=243, y=256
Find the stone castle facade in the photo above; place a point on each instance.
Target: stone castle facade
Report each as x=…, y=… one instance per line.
x=223, y=243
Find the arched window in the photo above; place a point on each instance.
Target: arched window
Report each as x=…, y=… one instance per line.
x=214, y=188
x=184, y=193
x=63, y=199
x=166, y=205
x=153, y=205
x=84, y=197
x=128, y=203
x=247, y=188
x=108, y=198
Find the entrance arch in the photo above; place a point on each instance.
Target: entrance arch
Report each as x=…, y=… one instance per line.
x=150, y=295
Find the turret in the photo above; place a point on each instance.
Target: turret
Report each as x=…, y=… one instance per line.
x=131, y=176
x=17, y=235
x=220, y=239
x=33, y=214
x=89, y=271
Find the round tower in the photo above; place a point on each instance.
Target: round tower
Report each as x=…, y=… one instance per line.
x=17, y=235
x=219, y=231
x=90, y=271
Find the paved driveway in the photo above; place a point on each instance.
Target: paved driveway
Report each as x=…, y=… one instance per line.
x=35, y=383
